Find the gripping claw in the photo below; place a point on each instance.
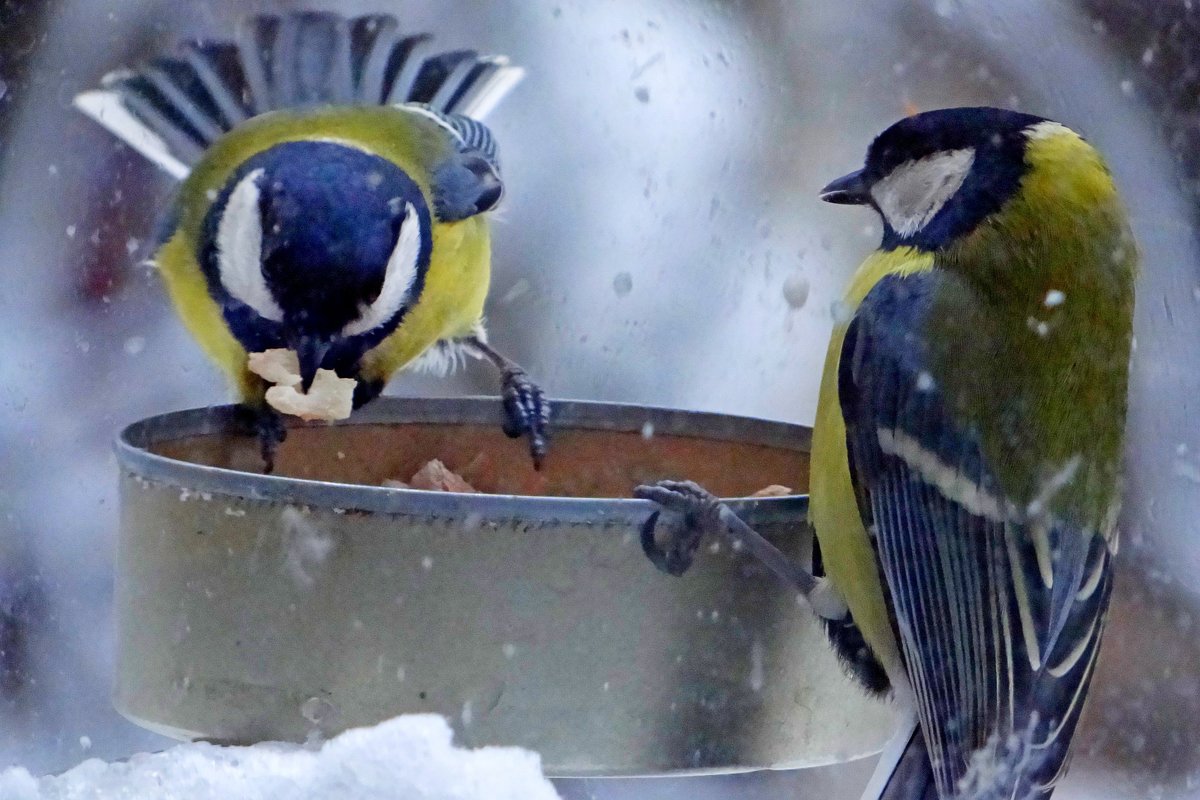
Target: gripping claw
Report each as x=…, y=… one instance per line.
x=526, y=412
x=696, y=513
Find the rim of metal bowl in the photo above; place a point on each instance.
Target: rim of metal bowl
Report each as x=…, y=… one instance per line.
x=132, y=452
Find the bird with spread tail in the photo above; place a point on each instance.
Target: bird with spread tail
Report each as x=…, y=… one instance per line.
x=335, y=183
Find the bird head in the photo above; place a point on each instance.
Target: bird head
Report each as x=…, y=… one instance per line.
x=318, y=247
x=933, y=177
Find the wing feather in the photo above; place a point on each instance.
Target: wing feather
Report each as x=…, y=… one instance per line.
x=998, y=611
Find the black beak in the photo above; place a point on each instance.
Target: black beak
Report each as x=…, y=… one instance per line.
x=848, y=190
x=310, y=350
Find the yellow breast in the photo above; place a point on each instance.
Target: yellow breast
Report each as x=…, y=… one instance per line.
x=451, y=303
x=846, y=549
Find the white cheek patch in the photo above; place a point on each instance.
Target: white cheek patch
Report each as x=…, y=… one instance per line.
x=916, y=191
x=239, y=249
x=398, y=279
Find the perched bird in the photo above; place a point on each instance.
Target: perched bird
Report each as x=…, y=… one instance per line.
x=966, y=461
x=335, y=181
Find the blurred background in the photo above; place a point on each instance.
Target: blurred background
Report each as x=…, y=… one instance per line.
x=661, y=243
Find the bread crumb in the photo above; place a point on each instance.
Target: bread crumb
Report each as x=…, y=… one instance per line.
x=278, y=366
x=774, y=490
x=434, y=476
x=329, y=397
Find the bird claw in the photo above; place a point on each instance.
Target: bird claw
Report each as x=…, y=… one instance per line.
x=526, y=412
x=696, y=513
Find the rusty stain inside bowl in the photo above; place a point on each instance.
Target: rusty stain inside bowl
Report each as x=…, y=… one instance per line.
x=582, y=463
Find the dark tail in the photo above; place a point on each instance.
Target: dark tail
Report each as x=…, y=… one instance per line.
x=172, y=108
x=904, y=771
x=912, y=778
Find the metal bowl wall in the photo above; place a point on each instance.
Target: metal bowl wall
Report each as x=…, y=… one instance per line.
x=256, y=607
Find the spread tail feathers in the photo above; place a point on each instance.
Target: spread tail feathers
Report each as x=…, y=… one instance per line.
x=172, y=108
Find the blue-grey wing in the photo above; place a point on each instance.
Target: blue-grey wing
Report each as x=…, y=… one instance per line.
x=998, y=612
x=468, y=181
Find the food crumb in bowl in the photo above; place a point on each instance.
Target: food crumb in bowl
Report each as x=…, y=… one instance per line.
x=774, y=490
x=434, y=476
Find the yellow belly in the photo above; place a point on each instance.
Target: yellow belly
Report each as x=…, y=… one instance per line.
x=451, y=304
x=846, y=549
x=188, y=290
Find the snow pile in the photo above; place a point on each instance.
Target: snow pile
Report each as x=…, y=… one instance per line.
x=407, y=758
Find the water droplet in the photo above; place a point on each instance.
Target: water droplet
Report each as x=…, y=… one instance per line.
x=317, y=710
x=841, y=312
x=648, y=430
x=1054, y=298
x=135, y=345
x=757, y=665
x=622, y=284
x=795, y=290
x=518, y=290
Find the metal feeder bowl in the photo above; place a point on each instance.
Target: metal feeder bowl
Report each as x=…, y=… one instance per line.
x=258, y=607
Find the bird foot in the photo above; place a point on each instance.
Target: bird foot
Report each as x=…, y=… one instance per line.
x=697, y=513
x=526, y=412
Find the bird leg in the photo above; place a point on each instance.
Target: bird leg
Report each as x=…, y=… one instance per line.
x=699, y=513
x=526, y=409
x=266, y=424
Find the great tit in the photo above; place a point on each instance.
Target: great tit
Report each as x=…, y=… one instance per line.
x=966, y=454
x=335, y=180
